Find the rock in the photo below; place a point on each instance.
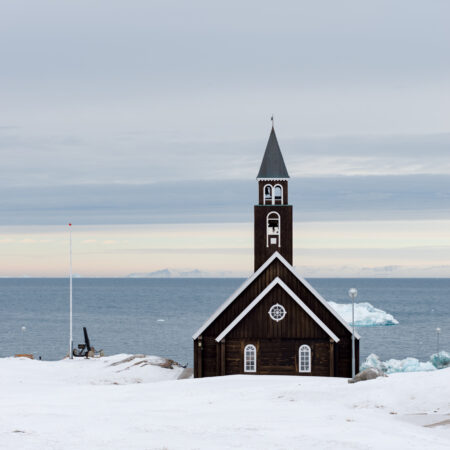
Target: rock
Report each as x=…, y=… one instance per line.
x=187, y=373
x=167, y=364
x=367, y=374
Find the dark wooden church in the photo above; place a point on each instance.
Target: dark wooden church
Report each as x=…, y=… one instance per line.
x=276, y=323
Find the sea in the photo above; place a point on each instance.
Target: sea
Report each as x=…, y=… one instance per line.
x=159, y=316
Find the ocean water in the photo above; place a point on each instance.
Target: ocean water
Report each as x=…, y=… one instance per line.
x=159, y=316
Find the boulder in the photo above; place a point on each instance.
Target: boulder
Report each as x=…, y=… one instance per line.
x=368, y=374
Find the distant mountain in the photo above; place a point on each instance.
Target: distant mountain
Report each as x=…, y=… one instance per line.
x=195, y=273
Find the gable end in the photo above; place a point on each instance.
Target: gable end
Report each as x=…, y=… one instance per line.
x=277, y=281
x=250, y=280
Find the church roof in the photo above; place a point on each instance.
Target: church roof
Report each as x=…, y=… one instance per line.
x=272, y=165
x=250, y=280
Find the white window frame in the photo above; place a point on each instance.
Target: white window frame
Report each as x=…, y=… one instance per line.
x=269, y=200
x=250, y=348
x=301, y=350
x=274, y=196
x=268, y=235
x=279, y=307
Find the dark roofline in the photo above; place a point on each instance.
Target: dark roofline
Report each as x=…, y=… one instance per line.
x=272, y=165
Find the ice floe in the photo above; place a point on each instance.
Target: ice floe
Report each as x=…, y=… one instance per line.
x=366, y=315
x=439, y=360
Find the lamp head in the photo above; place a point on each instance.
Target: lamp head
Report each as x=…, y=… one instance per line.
x=353, y=292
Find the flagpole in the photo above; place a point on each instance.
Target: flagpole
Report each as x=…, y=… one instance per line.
x=70, y=296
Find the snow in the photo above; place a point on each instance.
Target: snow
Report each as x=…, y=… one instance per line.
x=437, y=361
x=92, y=404
x=366, y=315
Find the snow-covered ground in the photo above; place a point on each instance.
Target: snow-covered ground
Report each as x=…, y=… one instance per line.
x=92, y=404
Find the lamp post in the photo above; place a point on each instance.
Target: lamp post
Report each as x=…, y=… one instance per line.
x=70, y=294
x=353, y=293
x=23, y=333
x=438, y=332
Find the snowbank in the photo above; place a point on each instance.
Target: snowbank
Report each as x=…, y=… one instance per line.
x=366, y=315
x=437, y=361
x=117, y=369
x=95, y=404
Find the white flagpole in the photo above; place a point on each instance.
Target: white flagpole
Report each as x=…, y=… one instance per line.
x=70, y=301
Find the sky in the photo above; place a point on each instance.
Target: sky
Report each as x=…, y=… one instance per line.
x=144, y=123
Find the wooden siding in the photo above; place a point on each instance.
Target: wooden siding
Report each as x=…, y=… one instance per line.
x=278, y=356
x=296, y=324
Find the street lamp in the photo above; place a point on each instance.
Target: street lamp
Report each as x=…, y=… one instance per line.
x=23, y=332
x=70, y=294
x=438, y=332
x=353, y=293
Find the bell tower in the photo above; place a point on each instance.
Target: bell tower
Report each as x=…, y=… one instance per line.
x=273, y=214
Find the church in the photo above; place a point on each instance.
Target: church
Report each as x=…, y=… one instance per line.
x=275, y=323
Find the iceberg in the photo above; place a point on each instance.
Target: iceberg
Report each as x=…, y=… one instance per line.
x=440, y=360
x=437, y=361
x=366, y=315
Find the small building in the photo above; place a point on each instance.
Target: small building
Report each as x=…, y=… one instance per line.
x=276, y=323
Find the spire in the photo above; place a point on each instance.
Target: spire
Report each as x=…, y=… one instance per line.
x=272, y=165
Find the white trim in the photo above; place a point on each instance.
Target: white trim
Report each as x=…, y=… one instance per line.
x=274, y=199
x=250, y=280
x=272, y=315
x=299, y=359
x=271, y=194
x=249, y=346
x=280, y=282
x=231, y=298
x=272, y=179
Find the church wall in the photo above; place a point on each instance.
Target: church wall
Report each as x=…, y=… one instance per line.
x=209, y=357
x=278, y=356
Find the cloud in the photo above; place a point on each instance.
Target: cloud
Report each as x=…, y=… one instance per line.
x=314, y=199
x=54, y=161
x=180, y=250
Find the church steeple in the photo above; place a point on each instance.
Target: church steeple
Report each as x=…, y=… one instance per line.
x=273, y=214
x=272, y=165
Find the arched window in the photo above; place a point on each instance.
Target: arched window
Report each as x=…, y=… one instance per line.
x=250, y=358
x=278, y=194
x=267, y=194
x=273, y=229
x=304, y=358
x=273, y=223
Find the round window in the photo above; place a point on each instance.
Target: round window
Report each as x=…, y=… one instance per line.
x=277, y=312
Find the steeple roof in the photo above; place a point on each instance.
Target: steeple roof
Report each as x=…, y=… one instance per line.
x=272, y=165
